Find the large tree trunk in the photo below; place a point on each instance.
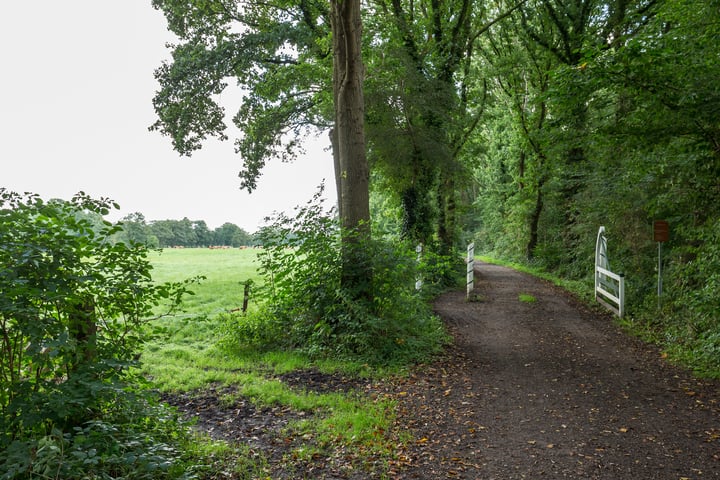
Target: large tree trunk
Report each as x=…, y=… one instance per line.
x=348, y=77
x=447, y=223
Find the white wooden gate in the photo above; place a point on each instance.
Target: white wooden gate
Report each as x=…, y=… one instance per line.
x=609, y=286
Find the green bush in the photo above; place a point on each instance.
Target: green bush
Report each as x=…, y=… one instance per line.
x=74, y=311
x=305, y=307
x=135, y=438
x=690, y=293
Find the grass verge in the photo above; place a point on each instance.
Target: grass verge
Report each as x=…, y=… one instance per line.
x=526, y=298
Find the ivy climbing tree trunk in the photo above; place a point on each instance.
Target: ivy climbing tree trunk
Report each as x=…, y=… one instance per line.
x=349, y=144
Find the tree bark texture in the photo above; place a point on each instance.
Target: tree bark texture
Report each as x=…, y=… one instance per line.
x=535, y=222
x=337, y=169
x=348, y=73
x=354, y=202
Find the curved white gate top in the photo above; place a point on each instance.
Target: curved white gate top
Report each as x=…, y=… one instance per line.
x=601, y=259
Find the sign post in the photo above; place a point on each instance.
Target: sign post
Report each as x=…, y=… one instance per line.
x=661, y=234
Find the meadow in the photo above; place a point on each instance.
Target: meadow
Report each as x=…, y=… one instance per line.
x=186, y=354
x=225, y=270
x=187, y=357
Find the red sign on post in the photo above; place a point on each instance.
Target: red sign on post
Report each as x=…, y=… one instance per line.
x=661, y=231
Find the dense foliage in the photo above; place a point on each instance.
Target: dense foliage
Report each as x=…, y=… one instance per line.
x=606, y=113
x=523, y=125
x=306, y=307
x=74, y=309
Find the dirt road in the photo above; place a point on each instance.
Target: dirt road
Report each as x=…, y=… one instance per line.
x=540, y=388
x=545, y=389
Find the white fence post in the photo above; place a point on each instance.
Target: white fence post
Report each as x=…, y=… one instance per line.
x=470, y=268
x=418, y=280
x=621, y=307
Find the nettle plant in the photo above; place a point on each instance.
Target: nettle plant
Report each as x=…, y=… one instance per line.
x=74, y=311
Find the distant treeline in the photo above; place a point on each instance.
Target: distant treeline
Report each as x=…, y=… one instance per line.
x=181, y=233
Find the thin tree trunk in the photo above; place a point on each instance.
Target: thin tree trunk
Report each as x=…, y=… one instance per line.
x=535, y=222
x=447, y=223
x=83, y=327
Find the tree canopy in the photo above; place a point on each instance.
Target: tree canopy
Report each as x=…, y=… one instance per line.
x=279, y=54
x=605, y=113
x=523, y=125
x=180, y=233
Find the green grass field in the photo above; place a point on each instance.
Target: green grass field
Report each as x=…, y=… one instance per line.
x=225, y=271
x=187, y=357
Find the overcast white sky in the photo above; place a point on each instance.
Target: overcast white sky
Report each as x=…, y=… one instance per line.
x=76, y=88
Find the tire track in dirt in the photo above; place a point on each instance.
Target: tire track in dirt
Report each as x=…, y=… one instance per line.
x=547, y=389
